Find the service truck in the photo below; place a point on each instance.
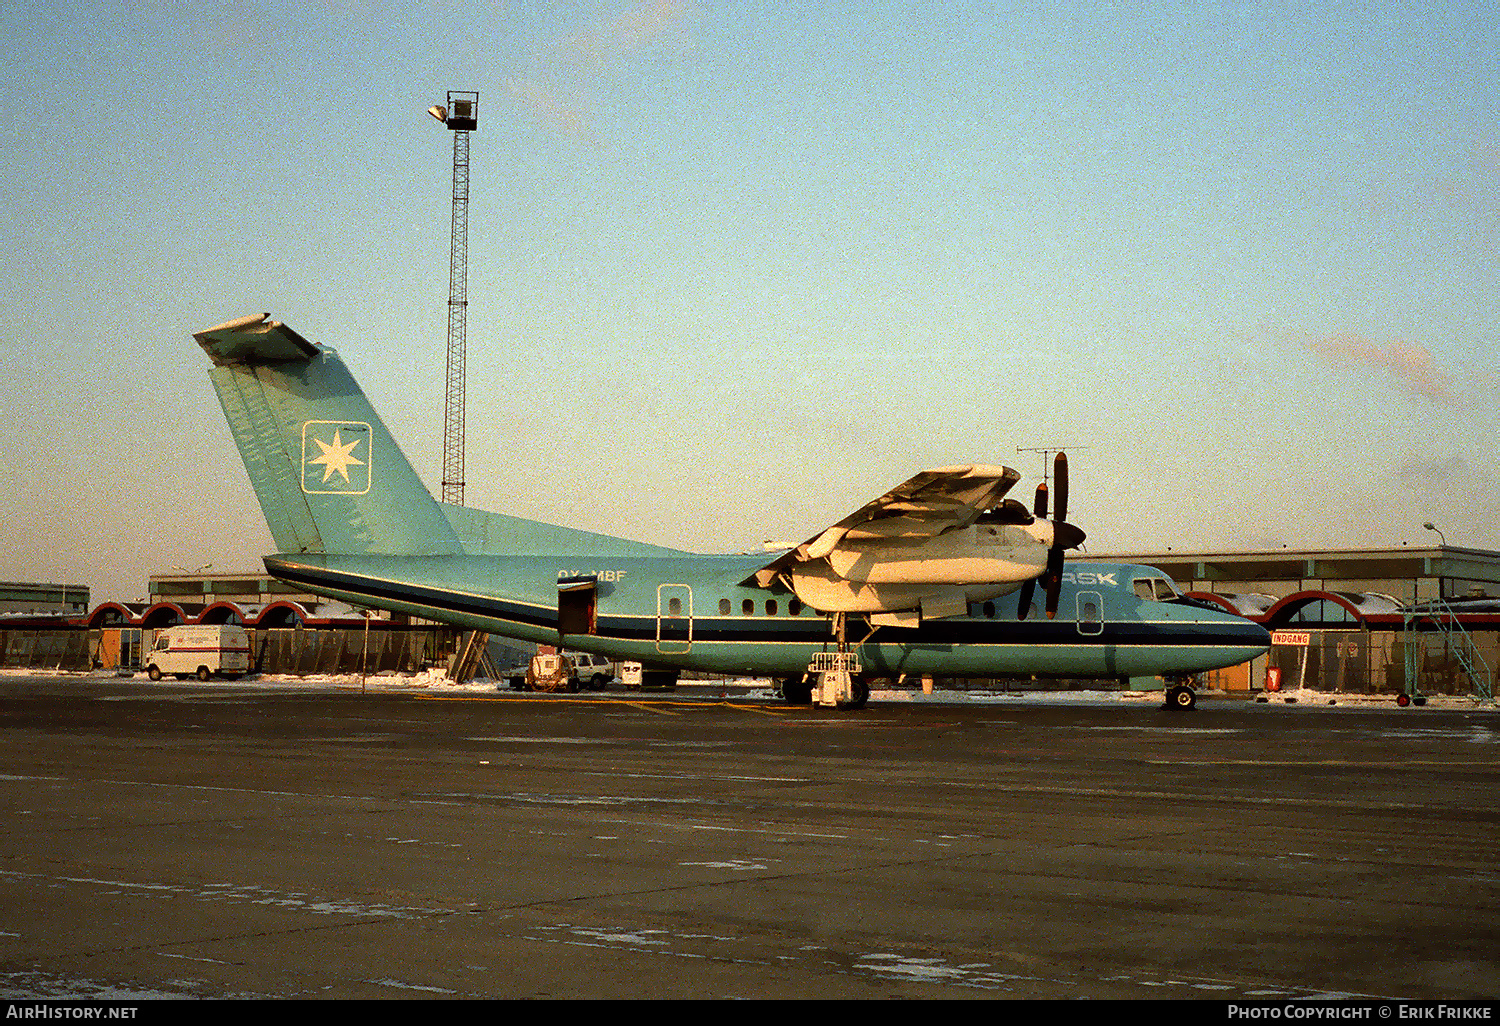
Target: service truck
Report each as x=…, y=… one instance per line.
x=200, y=651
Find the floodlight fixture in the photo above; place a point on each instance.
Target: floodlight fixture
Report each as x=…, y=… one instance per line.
x=462, y=111
x=1441, y=540
x=438, y=112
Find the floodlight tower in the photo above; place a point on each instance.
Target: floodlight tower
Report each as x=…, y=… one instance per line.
x=461, y=115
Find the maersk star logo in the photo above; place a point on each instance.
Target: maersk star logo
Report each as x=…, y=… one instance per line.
x=335, y=457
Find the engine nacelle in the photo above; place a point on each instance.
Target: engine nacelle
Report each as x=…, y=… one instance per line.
x=929, y=548
x=981, y=554
x=817, y=586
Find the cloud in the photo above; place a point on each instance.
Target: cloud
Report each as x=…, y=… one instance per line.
x=1432, y=474
x=556, y=90
x=645, y=24
x=1412, y=366
x=567, y=115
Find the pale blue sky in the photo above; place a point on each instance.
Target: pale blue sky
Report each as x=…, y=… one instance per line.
x=736, y=269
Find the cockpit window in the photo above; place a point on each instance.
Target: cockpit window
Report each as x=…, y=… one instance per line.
x=1154, y=589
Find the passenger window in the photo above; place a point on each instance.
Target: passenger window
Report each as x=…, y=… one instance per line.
x=674, y=607
x=770, y=607
x=1090, y=612
x=723, y=607
x=794, y=607
x=747, y=607
x=989, y=610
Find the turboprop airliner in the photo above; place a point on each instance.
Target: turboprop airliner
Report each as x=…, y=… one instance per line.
x=942, y=575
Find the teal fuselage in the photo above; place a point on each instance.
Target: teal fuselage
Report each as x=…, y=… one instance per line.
x=690, y=612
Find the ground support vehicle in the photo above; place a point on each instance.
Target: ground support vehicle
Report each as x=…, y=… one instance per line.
x=201, y=651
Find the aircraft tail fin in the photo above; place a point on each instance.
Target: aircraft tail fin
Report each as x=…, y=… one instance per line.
x=328, y=475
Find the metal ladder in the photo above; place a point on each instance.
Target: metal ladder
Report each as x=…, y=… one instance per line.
x=1456, y=639
x=472, y=659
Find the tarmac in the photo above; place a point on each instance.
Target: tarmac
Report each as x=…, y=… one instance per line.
x=272, y=839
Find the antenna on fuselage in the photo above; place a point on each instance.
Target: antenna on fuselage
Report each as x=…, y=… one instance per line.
x=1047, y=451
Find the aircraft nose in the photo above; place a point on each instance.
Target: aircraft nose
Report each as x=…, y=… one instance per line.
x=1237, y=631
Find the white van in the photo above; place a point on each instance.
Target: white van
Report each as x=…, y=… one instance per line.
x=201, y=651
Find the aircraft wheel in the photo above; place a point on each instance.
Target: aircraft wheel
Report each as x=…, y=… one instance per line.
x=861, y=696
x=1182, y=698
x=203, y=673
x=154, y=672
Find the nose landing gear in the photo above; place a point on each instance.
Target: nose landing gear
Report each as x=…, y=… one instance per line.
x=1181, y=694
x=833, y=678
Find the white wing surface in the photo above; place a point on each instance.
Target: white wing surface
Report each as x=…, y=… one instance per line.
x=930, y=504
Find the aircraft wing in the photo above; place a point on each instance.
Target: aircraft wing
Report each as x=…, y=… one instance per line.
x=924, y=507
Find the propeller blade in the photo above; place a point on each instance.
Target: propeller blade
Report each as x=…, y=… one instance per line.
x=1060, y=475
x=1054, y=579
x=1023, y=601
x=1064, y=536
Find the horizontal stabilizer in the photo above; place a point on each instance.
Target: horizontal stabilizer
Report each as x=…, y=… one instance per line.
x=252, y=340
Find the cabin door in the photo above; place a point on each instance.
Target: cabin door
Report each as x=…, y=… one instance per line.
x=674, y=618
x=577, y=609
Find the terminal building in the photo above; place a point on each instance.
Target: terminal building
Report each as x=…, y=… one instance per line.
x=291, y=631
x=20, y=598
x=1353, y=620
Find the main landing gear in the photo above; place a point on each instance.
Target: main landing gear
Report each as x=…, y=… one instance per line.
x=833, y=678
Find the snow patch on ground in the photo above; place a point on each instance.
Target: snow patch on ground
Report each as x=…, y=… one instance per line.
x=753, y=689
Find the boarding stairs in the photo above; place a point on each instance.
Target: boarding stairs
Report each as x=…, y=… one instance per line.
x=1456, y=640
x=472, y=659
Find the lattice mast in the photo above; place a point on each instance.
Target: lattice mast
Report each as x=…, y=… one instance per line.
x=461, y=115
